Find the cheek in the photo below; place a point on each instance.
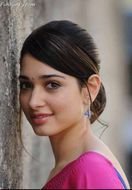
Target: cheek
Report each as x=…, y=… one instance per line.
x=23, y=102
x=68, y=106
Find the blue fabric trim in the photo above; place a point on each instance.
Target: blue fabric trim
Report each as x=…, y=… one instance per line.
x=121, y=179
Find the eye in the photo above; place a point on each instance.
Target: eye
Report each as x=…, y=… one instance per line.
x=52, y=85
x=25, y=85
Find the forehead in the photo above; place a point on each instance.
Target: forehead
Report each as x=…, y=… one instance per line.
x=34, y=69
x=31, y=65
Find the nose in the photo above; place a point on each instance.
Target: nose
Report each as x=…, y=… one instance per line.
x=37, y=98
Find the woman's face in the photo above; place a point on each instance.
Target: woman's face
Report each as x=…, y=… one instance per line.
x=51, y=100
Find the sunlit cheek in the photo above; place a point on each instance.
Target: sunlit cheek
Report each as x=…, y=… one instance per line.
x=23, y=102
x=69, y=109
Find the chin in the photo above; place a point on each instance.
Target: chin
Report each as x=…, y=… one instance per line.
x=45, y=133
x=40, y=132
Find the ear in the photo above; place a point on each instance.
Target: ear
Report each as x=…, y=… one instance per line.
x=91, y=92
x=94, y=83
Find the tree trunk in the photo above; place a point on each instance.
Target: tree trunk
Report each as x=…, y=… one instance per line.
x=11, y=33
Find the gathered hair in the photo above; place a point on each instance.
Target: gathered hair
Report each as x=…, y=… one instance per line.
x=68, y=48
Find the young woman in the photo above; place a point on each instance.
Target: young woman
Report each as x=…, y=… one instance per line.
x=61, y=94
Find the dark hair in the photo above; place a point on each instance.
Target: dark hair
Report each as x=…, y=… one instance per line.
x=67, y=47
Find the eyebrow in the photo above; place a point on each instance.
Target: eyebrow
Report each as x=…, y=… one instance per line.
x=41, y=76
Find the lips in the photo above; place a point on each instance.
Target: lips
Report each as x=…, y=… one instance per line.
x=40, y=118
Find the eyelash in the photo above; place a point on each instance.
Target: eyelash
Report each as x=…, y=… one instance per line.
x=53, y=85
x=50, y=85
x=27, y=85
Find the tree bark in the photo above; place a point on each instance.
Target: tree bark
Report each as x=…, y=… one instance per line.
x=10, y=147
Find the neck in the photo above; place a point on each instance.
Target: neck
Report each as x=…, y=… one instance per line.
x=71, y=143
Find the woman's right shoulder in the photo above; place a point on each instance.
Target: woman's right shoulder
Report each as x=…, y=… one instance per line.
x=91, y=159
x=93, y=170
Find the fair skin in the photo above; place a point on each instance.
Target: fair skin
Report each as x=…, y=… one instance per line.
x=54, y=105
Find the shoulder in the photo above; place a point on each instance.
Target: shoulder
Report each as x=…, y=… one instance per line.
x=92, y=161
x=93, y=170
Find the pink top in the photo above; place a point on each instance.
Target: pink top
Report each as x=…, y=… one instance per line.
x=89, y=171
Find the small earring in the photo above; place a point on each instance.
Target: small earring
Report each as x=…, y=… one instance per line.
x=88, y=114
